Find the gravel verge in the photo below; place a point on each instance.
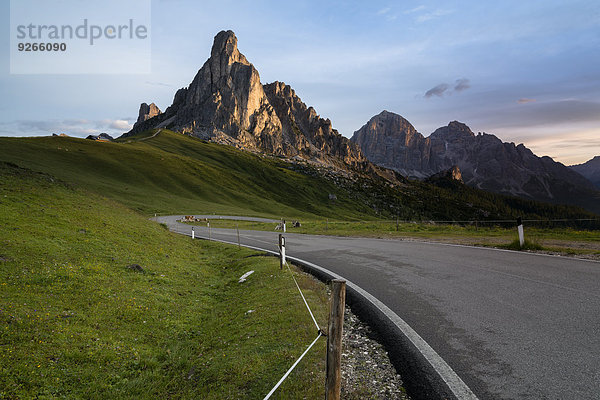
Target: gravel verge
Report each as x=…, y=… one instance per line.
x=367, y=372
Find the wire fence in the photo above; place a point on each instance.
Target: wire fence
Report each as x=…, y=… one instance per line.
x=186, y=231
x=583, y=224
x=319, y=334
x=588, y=224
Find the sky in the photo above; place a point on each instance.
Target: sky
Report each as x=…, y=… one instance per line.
x=526, y=71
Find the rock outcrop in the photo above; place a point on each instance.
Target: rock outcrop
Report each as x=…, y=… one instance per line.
x=484, y=160
x=452, y=174
x=147, y=112
x=102, y=137
x=305, y=133
x=227, y=103
x=590, y=170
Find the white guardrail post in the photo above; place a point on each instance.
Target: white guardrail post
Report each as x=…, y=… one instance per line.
x=521, y=234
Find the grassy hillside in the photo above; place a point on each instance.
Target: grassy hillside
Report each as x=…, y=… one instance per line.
x=173, y=173
x=75, y=322
x=176, y=173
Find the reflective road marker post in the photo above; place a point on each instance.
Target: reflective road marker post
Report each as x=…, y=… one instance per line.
x=281, y=251
x=520, y=229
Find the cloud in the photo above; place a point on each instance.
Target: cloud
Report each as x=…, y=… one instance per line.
x=386, y=13
x=566, y=111
x=444, y=88
x=525, y=100
x=416, y=9
x=433, y=15
x=121, y=125
x=158, y=84
x=71, y=127
x=462, y=84
x=438, y=90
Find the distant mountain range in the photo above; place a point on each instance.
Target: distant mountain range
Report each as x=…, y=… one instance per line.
x=226, y=103
x=485, y=162
x=590, y=170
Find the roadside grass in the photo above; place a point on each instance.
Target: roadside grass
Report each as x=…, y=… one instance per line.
x=233, y=224
x=75, y=322
x=527, y=245
x=389, y=229
x=567, y=241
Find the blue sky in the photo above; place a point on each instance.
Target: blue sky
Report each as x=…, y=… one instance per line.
x=527, y=71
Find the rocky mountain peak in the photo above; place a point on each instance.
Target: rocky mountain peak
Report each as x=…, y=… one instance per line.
x=453, y=131
x=386, y=140
x=485, y=162
x=385, y=126
x=224, y=54
x=227, y=103
x=386, y=115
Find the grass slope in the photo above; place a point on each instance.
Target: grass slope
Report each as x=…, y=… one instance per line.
x=76, y=323
x=174, y=173
x=177, y=173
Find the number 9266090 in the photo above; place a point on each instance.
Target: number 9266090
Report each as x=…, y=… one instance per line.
x=42, y=47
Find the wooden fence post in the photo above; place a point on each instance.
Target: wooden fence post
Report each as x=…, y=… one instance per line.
x=334, y=340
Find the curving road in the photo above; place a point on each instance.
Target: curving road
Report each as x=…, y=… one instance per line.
x=511, y=325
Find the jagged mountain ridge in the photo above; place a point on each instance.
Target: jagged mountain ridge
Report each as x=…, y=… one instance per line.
x=484, y=160
x=590, y=170
x=227, y=103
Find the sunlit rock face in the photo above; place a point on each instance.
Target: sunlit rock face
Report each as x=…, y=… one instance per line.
x=227, y=103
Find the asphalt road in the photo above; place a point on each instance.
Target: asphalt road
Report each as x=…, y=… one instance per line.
x=511, y=325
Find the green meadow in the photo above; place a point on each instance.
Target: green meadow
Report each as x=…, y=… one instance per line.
x=173, y=173
x=76, y=322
